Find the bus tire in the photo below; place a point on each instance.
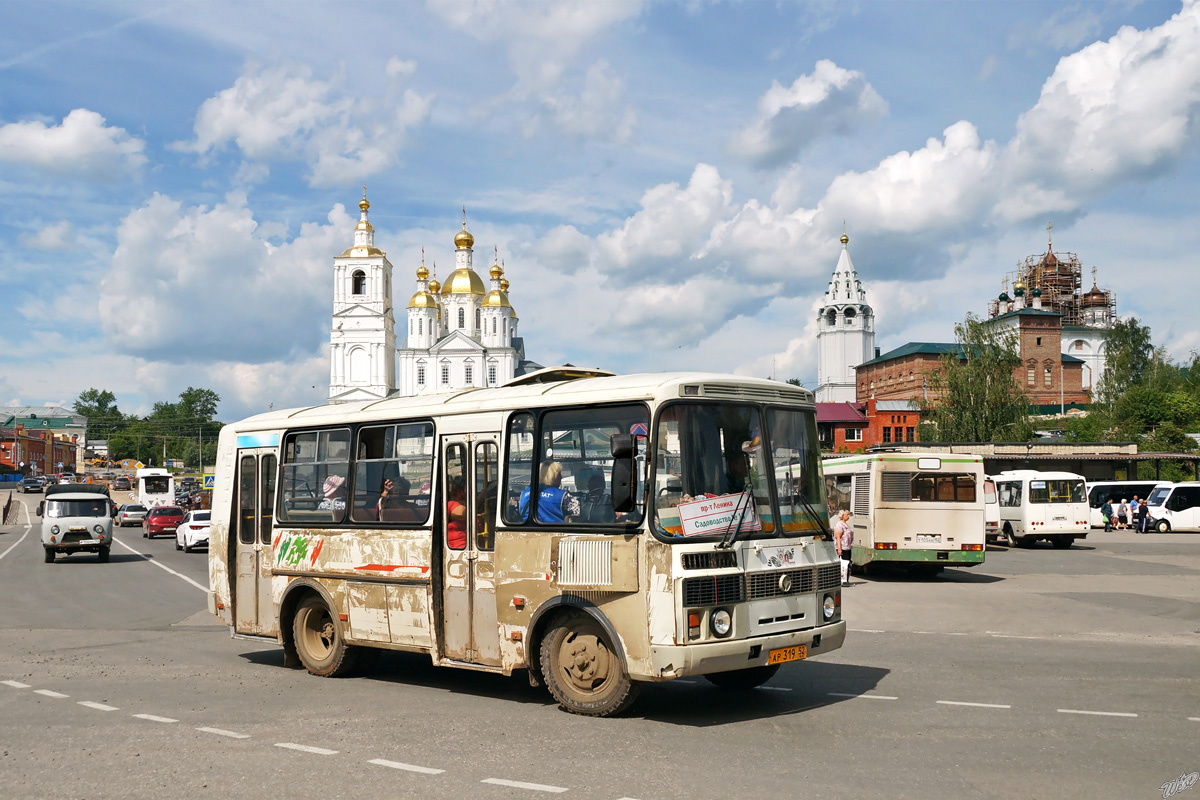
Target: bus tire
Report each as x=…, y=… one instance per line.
x=319, y=642
x=102, y=555
x=1062, y=542
x=1163, y=526
x=49, y=556
x=743, y=679
x=1009, y=538
x=581, y=669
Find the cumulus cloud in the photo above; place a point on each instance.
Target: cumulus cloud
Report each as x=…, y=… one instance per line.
x=55, y=236
x=284, y=113
x=82, y=145
x=597, y=111
x=830, y=101
x=204, y=281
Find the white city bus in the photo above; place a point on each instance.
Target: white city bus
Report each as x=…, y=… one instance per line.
x=926, y=512
x=1042, y=505
x=597, y=531
x=155, y=487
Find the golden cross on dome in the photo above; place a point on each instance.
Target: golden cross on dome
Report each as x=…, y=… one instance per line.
x=1049, y=233
x=464, y=208
x=364, y=191
x=1093, y=276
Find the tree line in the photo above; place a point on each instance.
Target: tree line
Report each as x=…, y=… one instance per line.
x=184, y=430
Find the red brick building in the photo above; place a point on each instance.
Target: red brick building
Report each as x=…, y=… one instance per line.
x=854, y=427
x=1049, y=376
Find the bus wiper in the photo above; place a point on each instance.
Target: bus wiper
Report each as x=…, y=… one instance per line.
x=825, y=532
x=739, y=512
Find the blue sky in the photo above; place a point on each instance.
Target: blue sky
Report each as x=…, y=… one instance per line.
x=665, y=181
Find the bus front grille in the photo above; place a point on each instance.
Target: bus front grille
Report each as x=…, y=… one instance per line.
x=712, y=590
x=829, y=577
x=769, y=584
x=716, y=559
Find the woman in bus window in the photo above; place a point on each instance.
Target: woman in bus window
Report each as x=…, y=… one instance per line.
x=554, y=503
x=456, y=515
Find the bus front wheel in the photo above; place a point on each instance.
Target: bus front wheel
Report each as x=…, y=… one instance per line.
x=582, y=671
x=743, y=678
x=319, y=642
x=1163, y=526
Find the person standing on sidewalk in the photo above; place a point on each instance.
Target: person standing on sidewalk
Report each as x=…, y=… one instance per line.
x=843, y=539
x=1143, y=516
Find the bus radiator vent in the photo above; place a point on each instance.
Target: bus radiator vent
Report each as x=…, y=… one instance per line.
x=715, y=559
x=585, y=563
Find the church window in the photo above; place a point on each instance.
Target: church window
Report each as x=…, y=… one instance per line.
x=493, y=326
x=420, y=376
x=359, y=282
x=1030, y=373
x=1049, y=375
x=446, y=373
x=1079, y=344
x=462, y=318
x=492, y=369
x=1039, y=341
x=477, y=325
x=420, y=326
x=831, y=317
x=469, y=373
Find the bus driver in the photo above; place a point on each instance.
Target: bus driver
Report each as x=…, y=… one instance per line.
x=554, y=504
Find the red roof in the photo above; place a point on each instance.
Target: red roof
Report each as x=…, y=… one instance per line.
x=841, y=412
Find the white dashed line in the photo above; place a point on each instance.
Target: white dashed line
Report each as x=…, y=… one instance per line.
x=1096, y=713
x=775, y=688
x=535, y=787
x=28, y=528
x=1193, y=719
x=972, y=705
x=16, y=684
x=1011, y=636
x=161, y=566
x=221, y=732
x=867, y=696
x=304, y=748
x=383, y=762
x=97, y=706
x=153, y=718
x=48, y=693
x=865, y=630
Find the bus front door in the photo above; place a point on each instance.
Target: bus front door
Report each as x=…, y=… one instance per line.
x=254, y=514
x=470, y=479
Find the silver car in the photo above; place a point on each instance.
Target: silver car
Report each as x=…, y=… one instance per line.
x=130, y=514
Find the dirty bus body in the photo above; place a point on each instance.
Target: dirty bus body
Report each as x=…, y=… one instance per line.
x=926, y=512
x=520, y=528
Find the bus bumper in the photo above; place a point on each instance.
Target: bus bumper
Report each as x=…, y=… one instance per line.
x=949, y=558
x=677, y=661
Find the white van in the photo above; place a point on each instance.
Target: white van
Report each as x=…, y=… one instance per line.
x=1116, y=491
x=1042, y=505
x=1175, y=507
x=76, y=517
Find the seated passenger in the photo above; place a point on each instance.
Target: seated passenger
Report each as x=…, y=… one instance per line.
x=394, y=504
x=456, y=515
x=554, y=503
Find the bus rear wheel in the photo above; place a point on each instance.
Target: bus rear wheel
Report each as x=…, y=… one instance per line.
x=743, y=678
x=1009, y=538
x=582, y=671
x=1062, y=542
x=319, y=642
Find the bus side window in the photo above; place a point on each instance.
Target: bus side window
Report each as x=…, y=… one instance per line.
x=487, y=466
x=519, y=473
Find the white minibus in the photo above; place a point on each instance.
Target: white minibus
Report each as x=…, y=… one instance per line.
x=1175, y=507
x=1116, y=491
x=155, y=487
x=1042, y=505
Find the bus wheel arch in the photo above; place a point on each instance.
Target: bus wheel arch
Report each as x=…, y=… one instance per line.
x=297, y=592
x=580, y=660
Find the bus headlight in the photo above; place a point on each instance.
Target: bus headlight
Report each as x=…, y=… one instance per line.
x=721, y=622
x=54, y=529
x=99, y=529
x=828, y=607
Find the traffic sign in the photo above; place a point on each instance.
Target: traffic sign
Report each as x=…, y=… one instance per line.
x=60, y=465
x=638, y=429
x=210, y=481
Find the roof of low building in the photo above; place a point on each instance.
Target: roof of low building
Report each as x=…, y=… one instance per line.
x=841, y=412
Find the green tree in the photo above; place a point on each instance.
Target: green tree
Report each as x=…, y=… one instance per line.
x=99, y=406
x=1128, y=354
x=977, y=397
x=198, y=404
x=795, y=382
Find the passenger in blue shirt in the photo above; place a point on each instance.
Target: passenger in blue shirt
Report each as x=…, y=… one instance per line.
x=554, y=503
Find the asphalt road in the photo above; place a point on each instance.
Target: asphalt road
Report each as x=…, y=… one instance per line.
x=1041, y=673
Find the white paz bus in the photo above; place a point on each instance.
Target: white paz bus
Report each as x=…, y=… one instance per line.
x=926, y=512
x=598, y=531
x=155, y=487
x=1042, y=505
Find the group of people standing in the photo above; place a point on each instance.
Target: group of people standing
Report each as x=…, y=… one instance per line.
x=1126, y=515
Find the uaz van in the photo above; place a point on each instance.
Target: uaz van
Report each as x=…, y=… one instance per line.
x=76, y=518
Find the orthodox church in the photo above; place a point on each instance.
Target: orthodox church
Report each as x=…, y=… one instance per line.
x=457, y=334
x=846, y=332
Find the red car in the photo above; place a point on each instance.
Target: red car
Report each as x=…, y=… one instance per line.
x=161, y=521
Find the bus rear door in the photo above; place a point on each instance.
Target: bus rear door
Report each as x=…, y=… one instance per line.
x=254, y=514
x=470, y=480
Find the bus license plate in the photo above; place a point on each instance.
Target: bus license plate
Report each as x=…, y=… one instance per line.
x=929, y=538
x=90, y=541
x=787, y=654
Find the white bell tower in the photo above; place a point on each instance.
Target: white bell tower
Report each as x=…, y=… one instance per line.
x=845, y=334
x=362, y=335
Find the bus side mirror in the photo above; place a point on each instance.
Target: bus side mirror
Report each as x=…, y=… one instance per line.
x=623, y=483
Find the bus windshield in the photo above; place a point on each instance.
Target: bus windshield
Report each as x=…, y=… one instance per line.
x=1056, y=491
x=1159, y=496
x=157, y=484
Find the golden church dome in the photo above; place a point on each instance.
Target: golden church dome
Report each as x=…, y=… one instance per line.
x=504, y=284
x=845, y=239
x=434, y=286
x=464, y=238
x=496, y=299
x=423, y=300
x=422, y=273
x=495, y=271
x=361, y=252
x=463, y=281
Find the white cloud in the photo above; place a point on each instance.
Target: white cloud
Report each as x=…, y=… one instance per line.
x=82, y=145
x=597, y=112
x=397, y=67
x=563, y=248
x=55, y=236
x=284, y=113
x=831, y=100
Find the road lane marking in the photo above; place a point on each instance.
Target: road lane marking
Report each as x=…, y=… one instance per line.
x=383, y=762
x=535, y=787
x=1096, y=713
x=153, y=718
x=48, y=693
x=972, y=705
x=689, y=683
x=97, y=706
x=1013, y=636
x=222, y=732
x=304, y=748
x=1194, y=719
x=867, y=696
x=775, y=688
x=16, y=684
x=160, y=566
x=28, y=528
x=865, y=630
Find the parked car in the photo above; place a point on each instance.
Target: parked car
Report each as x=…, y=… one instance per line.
x=161, y=520
x=121, y=484
x=130, y=514
x=193, y=531
x=32, y=484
